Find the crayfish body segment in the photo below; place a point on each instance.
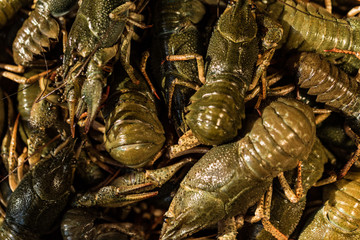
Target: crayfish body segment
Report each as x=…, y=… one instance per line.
x=286, y=215
x=331, y=85
x=230, y=178
x=133, y=132
x=217, y=108
x=38, y=29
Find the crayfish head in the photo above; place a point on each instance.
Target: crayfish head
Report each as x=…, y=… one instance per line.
x=237, y=23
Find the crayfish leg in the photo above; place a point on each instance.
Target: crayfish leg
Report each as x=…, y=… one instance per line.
x=150, y=178
x=331, y=179
x=328, y=6
x=120, y=12
x=293, y=197
x=125, y=59
x=274, y=231
x=355, y=155
x=263, y=213
x=323, y=114
x=172, y=89
x=134, y=18
x=12, y=68
x=185, y=57
x=258, y=212
x=130, y=188
x=144, y=59
x=14, y=77
x=353, y=12
x=21, y=79
x=273, y=35
x=271, y=80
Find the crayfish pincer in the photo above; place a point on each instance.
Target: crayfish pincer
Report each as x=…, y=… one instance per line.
x=232, y=177
x=40, y=197
x=92, y=43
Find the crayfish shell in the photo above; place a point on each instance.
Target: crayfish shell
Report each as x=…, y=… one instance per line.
x=134, y=133
x=230, y=178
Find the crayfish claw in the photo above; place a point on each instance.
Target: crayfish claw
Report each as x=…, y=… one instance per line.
x=124, y=191
x=111, y=196
x=185, y=218
x=91, y=94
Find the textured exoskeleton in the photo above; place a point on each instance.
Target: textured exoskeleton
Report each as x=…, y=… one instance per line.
x=339, y=218
x=284, y=214
x=217, y=108
x=92, y=42
x=133, y=131
x=308, y=29
x=41, y=196
x=175, y=33
x=129, y=188
x=331, y=85
x=230, y=178
x=38, y=29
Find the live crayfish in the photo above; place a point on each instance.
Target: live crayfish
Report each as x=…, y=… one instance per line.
x=92, y=43
x=217, y=108
x=284, y=135
x=130, y=95
x=40, y=197
x=307, y=28
x=38, y=29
